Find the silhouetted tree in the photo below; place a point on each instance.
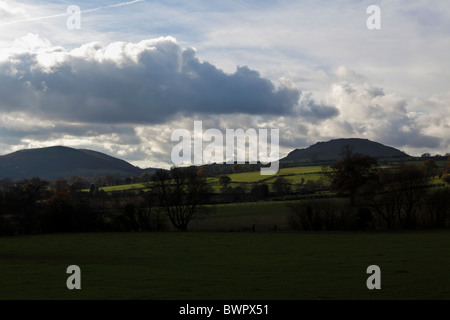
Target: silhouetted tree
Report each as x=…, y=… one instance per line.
x=319, y=215
x=59, y=211
x=347, y=176
x=437, y=208
x=108, y=180
x=397, y=195
x=181, y=192
x=408, y=188
x=281, y=185
x=60, y=184
x=203, y=172
x=145, y=177
x=224, y=180
x=379, y=200
x=429, y=167
x=128, y=218
x=260, y=191
x=78, y=184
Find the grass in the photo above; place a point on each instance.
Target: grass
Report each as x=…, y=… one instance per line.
x=205, y=266
x=124, y=187
x=235, y=217
x=248, y=179
x=307, y=172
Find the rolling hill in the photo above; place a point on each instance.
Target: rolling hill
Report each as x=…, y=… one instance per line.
x=331, y=150
x=57, y=162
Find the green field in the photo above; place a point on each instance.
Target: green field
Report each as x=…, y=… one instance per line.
x=248, y=179
x=242, y=216
x=227, y=265
x=295, y=174
x=245, y=179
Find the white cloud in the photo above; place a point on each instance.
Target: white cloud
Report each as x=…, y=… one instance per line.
x=91, y=86
x=11, y=10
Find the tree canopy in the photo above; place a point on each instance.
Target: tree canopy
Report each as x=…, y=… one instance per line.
x=348, y=175
x=181, y=192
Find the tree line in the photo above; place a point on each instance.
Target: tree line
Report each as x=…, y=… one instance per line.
x=367, y=197
x=36, y=206
x=376, y=198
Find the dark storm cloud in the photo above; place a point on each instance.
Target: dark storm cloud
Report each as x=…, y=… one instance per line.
x=313, y=111
x=149, y=83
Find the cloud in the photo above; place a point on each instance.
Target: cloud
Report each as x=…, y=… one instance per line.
x=147, y=82
x=366, y=111
x=11, y=11
x=313, y=111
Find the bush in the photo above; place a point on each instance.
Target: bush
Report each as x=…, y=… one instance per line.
x=321, y=215
x=436, y=209
x=140, y=218
x=260, y=191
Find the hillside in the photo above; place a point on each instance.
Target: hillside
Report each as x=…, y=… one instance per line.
x=331, y=150
x=55, y=162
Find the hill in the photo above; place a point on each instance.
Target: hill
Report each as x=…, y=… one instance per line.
x=57, y=162
x=331, y=150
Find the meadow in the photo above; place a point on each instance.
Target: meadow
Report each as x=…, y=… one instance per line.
x=244, y=179
x=295, y=175
x=226, y=265
x=220, y=258
x=242, y=216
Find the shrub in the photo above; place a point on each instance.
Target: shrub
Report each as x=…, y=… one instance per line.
x=321, y=215
x=436, y=209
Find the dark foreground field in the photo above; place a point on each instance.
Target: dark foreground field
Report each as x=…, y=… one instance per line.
x=287, y=266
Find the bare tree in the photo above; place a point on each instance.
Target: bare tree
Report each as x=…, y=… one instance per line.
x=397, y=194
x=181, y=192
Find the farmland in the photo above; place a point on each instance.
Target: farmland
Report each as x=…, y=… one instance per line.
x=295, y=175
x=227, y=265
x=245, y=179
x=240, y=250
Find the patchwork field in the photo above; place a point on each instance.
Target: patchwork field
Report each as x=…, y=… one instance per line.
x=246, y=180
x=226, y=265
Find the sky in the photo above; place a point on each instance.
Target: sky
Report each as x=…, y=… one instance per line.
x=122, y=76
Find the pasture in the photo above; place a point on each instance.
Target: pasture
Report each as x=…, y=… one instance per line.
x=226, y=265
x=295, y=174
x=242, y=216
x=246, y=180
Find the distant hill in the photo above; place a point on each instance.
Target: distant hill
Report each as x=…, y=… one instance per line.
x=331, y=150
x=59, y=162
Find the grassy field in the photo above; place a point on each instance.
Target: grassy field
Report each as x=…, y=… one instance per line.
x=228, y=265
x=123, y=187
x=245, y=179
x=295, y=174
x=238, y=216
x=248, y=179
